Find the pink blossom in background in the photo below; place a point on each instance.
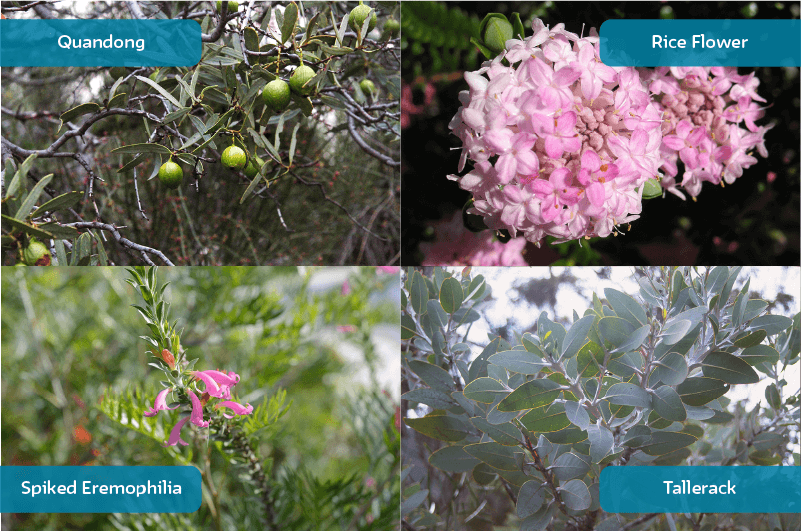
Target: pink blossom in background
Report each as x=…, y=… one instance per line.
x=561, y=144
x=390, y=270
x=345, y=288
x=455, y=245
x=346, y=328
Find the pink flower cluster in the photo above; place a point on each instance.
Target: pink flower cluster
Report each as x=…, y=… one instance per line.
x=562, y=145
x=217, y=385
x=455, y=245
x=702, y=112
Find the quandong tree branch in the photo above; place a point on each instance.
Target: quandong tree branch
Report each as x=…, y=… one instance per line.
x=142, y=250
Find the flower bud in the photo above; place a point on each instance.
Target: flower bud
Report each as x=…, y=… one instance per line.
x=495, y=31
x=651, y=189
x=168, y=358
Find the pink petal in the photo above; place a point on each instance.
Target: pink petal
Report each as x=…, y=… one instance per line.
x=553, y=147
x=197, y=410
x=175, y=434
x=590, y=161
x=236, y=407
x=160, y=403
x=596, y=194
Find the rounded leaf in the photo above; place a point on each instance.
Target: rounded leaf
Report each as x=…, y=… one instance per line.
x=451, y=295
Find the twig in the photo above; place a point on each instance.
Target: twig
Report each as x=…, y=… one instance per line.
x=641, y=520
x=367, y=149
x=125, y=242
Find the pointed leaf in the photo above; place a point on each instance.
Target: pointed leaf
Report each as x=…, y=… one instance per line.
x=576, y=495
x=626, y=394
x=569, y=466
x=771, y=324
x=664, y=442
x=84, y=108
x=519, y=361
x=626, y=307
x=505, y=434
x=601, y=442
x=576, y=337
x=30, y=200
x=430, y=397
x=436, y=377
x=290, y=19
x=672, y=369
x=441, y=427
x=451, y=295
x=577, y=414
x=62, y=202
x=731, y=369
x=160, y=89
x=143, y=148
x=453, y=459
x=485, y=390
x=700, y=390
x=494, y=454
x=667, y=404
x=530, y=395
x=759, y=354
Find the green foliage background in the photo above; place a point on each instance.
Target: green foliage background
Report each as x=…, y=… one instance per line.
x=70, y=339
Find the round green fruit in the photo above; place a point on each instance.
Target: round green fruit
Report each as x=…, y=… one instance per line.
x=118, y=72
x=234, y=158
x=276, y=95
x=36, y=254
x=233, y=7
x=367, y=86
x=171, y=175
x=253, y=167
x=300, y=77
x=391, y=27
x=359, y=15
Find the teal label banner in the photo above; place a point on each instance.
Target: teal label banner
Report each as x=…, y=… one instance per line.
x=701, y=489
x=100, y=42
x=100, y=489
x=700, y=43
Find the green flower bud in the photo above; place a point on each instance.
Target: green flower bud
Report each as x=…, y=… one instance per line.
x=496, y=30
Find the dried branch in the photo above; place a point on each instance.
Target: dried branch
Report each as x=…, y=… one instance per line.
x=130, y=246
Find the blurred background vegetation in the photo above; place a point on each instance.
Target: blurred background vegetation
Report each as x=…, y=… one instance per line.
x=328, y=336
x=754, y=221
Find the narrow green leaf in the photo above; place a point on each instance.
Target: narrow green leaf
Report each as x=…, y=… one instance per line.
x=771, y=324
x=759, y=354
x=418, y=292
x=663, y=442
x=430, y=397
x=143, y=148
x=160, y=89
x=80, y=110
x=293, y=142
x=28, y=203
x=290, y=19
x=26, y=228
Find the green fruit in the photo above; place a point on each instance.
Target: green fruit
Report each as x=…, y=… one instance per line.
x=36, y=254
x=367, y=86
x=118, y=72
x=234, y=157
x=276, y=95
x=233, y=7
x=359, y=15
x=300, y=77
x=171, y=175
x=391, y=27
x=253, y=167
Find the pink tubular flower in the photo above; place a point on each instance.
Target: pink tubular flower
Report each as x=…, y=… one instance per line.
x=346, y=328
x=197, y=410
x=160, y=403
x=218, y=384
x=236, y=407
x=175, y=434
x=390, y=270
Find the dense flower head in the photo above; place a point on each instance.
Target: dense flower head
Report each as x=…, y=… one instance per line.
x=218, y=384
x=708, y=123
x=562, y=144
